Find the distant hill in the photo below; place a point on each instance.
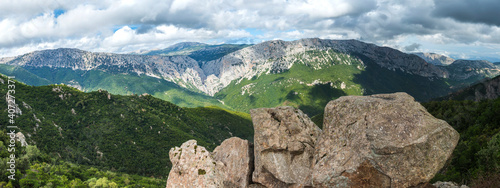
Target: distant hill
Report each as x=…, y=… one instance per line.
x=116, y=73
x=435, y=59
x=487, y=89
x=464, y=72
x=196, y=50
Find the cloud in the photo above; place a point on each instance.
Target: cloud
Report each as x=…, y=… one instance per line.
x=412, y=47
x=130, y=25
x=478, y=11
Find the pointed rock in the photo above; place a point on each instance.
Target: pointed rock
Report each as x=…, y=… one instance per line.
x=237, y=156
x=229, y=166
x=284, y=139
x=192, y=166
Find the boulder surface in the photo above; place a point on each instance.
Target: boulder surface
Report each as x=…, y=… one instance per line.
x=192, y=166
x=237, y=156
x=230, y=165
x=285, y=140
x=385, y=140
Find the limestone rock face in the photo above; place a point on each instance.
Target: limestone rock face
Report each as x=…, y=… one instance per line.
x=285, y=140
x=192, y=166
x=236, y=155
x=385, y=140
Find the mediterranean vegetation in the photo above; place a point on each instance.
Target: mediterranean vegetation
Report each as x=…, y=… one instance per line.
x=97, y=137
x=476, y=159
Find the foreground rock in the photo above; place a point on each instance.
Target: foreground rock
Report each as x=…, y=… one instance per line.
x=285, y=140
x=192, y=166
x=237, y=157
x=386, y=140
x=230, y=165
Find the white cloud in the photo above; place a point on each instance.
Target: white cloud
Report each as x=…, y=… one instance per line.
x=120, y=26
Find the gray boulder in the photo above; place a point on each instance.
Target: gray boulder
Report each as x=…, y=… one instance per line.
x=236, y=155
x=192, y=166
x=285, y=140
x=230, y=165
x=386, y=140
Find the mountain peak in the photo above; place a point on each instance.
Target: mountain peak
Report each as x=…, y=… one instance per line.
x=435, y=59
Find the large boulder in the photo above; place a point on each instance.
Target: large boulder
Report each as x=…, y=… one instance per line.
x=385, y=140
x=237, y=156
x=230, y=165
x=284, y=140
x=192, y=166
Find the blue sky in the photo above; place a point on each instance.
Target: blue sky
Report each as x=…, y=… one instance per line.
x=457, y=28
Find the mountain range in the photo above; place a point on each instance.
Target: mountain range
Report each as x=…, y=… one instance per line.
x=304, y=73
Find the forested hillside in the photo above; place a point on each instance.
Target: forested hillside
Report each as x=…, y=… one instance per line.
x=130, y=134
x=476, y=159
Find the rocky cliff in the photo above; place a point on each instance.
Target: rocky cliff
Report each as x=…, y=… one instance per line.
x=265, y=57
x=386, y=140
x=211, y=76
x=488, y=89
x=467, y=69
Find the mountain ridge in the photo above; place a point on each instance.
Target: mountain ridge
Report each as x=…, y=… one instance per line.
x=213, y=75
x=236, y=80
x=486, y=89
x=436, y=59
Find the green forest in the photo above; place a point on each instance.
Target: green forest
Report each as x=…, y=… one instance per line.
x=476, y=159
x=98, y=139
x=78, y=138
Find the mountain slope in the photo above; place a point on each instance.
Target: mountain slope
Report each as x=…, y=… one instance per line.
x=363, y=68
x=318, y=76
x=472, y=70
x=264, y=57
x=24, y=75
x=130, y=134
x=119, y=74
x=475, y=160
x=487, y=89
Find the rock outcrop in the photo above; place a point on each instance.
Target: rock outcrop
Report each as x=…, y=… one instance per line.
x=470, y=69
x=386, y=140
x=192, y=166
x=489, y=89
x=230, y=165
x=237, y=156
x=285, y=140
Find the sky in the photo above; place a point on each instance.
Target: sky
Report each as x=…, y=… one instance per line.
x=462, y=29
